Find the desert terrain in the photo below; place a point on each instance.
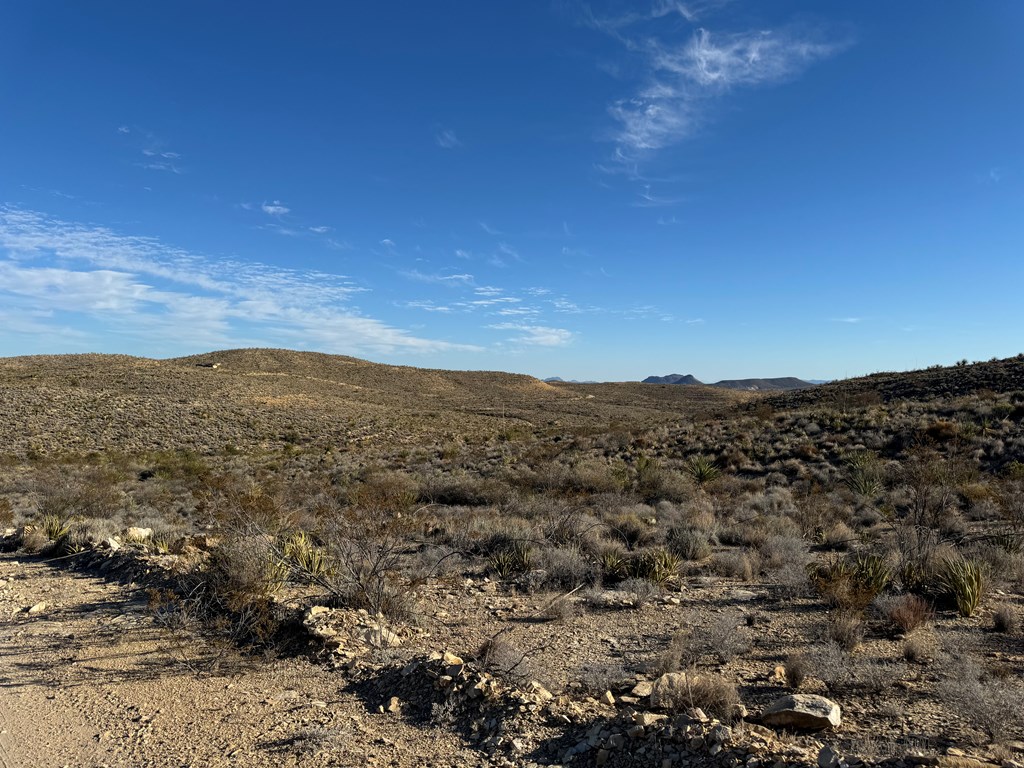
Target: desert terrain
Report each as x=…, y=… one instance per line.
x=266, y=557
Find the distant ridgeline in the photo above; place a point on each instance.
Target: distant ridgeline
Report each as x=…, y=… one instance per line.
x=758, y=385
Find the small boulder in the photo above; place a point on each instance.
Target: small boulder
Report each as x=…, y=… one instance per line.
x=804, y=711
x=36, y=609
x=828, y=758
x=138, y=534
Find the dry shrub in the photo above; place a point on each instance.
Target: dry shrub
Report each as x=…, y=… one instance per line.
x=797, y=670
x=711, y=693
x=561, y=609
x=595, y=679
x=918, y=649
x=839, y=536
x=845, y=629
x=642, y=591
x=990, y=702
x=462, y=489
x=740, y=565
x=630, y=528
x=243, y=574
x=906, y=612
x=689, y=543
x=504, y=659
x=90, y=493
x=565, y=569
x=1005, y=620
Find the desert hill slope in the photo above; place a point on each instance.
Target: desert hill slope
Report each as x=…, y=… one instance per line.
x=1006, y=375
x=259, y=398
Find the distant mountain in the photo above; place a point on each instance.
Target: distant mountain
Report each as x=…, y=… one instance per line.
x=750, y=385
x=764, y=385
x=672, y=378
x=560, y=380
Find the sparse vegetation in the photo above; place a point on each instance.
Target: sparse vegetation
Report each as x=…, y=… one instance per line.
x=640, y=531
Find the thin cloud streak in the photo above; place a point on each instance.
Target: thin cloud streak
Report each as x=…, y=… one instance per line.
x=536, y=335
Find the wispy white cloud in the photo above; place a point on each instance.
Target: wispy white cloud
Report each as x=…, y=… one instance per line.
x=851, y=320
x=696, y=321
x=536, y=335
x=320, y=230
x=153, y=149
x=178, y=299
x=457, y=280
x=275, y=208
x=648, y=199
x=427, y=306
x=447, y=139
x=683, y=77
x=489, y=229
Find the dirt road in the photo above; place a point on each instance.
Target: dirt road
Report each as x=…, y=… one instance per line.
x=89, y=678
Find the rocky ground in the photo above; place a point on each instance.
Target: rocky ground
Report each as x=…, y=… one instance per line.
x=97, y=674
x=90, y=678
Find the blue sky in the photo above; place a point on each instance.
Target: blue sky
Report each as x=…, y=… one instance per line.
x=590, y=190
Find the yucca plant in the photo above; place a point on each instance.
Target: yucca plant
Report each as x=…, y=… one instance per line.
x=613, y=565
x=963, y=579
x=54, y=527
x=659, y=566
x=851, y=584
x=701, y=469
x=864, y=476
x=872, y=573
x=302, y=552
x=513, y=559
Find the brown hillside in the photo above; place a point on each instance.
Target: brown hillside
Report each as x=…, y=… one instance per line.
x=260, y=398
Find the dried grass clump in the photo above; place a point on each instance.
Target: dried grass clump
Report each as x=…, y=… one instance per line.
x=906, y=612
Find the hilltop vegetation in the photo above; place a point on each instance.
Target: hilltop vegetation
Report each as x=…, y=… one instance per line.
x=861, y=540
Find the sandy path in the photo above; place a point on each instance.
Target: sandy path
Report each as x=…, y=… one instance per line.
x=92, y=680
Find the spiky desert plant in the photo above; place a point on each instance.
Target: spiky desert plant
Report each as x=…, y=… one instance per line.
x=701, y=469
x=963, y=578
x=54, y=527
x=301, y=551
x=511, y=560
x=659, y=566
x=613, y=565
x=864, y=476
